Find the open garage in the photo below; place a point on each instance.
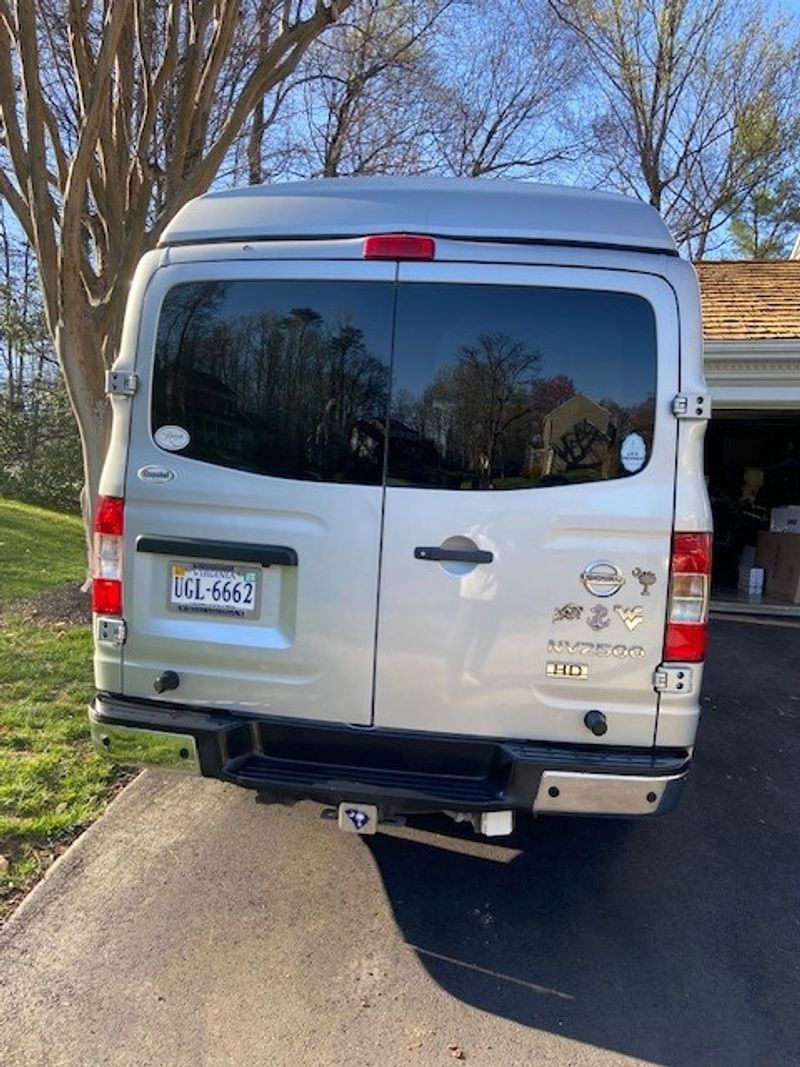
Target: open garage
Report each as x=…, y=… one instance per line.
x=751, y=316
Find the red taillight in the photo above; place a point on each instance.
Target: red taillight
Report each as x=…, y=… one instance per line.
x=399, y=246
x=687, y=612
x=110, y=515
x=106, y=596
x=109, y=526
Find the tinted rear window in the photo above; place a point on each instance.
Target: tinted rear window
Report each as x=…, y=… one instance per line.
x=504, y=387
x=488, y=387
x=285, y=378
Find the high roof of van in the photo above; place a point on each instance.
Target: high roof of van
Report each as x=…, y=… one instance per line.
x=467, y=208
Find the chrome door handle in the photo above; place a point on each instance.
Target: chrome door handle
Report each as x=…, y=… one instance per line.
x=453, y=555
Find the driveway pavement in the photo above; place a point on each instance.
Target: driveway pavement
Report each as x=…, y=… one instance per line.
x=192, y=926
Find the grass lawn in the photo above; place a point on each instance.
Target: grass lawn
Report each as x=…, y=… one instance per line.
x=52, y=784
x=38, y=548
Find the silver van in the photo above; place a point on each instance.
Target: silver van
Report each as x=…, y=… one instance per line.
x=404, y=506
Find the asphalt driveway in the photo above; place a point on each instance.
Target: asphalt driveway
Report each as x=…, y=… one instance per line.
x=194, y=926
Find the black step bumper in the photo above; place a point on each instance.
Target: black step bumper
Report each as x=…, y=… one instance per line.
x=400, y=771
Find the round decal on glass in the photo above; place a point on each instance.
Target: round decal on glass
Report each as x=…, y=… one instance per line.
x=633, y=452
x=172, y=438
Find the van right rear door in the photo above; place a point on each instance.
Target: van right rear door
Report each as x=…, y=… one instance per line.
x=529, y=502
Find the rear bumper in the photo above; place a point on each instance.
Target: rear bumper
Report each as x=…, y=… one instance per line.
x=399, y=771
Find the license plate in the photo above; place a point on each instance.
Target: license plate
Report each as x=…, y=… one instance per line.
x=213, y=588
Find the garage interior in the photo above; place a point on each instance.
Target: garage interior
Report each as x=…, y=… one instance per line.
x=752, y=465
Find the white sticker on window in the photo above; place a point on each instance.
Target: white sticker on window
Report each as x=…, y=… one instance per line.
x=633, y=452
x=172, y=438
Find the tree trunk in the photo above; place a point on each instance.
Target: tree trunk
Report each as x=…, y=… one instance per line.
x=84, y=378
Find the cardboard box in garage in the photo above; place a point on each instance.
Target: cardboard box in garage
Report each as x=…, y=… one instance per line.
x=779, y=555
x=785, y=520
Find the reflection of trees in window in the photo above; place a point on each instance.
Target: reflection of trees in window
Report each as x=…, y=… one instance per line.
x=274, y=391
x=634, y=417
x=548, y=394
x=477, y=411
x=187, y=313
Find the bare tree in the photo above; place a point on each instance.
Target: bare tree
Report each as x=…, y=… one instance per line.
x=397, y=88
x=694, y=103
x=505, y=72
x=357, y=104
x=114, y=113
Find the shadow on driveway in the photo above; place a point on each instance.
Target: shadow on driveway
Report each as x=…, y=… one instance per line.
x=676, y=941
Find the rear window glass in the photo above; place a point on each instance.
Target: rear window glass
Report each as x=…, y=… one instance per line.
x=285, y=378
x=506, y=387
x=474, y=386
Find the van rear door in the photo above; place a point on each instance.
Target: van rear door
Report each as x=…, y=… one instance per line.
x=529, y=502
x=254, y=486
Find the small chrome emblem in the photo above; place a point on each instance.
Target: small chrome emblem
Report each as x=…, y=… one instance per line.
x=602, y=578
x=569, y=613
x=155, y=474
x=632, y=617
x=598, y=618
x=567, y=670
x=647, y=578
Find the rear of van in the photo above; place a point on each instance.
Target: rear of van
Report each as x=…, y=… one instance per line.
x=404, y=507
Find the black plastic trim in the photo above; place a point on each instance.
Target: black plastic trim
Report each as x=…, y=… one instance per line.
x=465, y=238
x=454, y=555
x=400, y=770
x=237, y=551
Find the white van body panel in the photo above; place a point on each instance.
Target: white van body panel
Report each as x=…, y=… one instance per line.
x=444, y=207
x=466, y=649
x=309, y=650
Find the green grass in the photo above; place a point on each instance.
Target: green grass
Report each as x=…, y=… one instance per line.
x=38, y=549
x=52, y=784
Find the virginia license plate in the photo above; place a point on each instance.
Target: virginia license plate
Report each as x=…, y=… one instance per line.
x=213, y=587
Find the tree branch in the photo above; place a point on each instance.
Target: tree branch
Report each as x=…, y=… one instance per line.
x=275, y=64
x=75, y=189
x=39, y=200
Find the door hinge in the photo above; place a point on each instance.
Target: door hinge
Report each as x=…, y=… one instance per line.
x=691, y=406
x=121, y=383
x=113, y=630
x=668, y=679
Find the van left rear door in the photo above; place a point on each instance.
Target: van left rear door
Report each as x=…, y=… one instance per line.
x=254, y=486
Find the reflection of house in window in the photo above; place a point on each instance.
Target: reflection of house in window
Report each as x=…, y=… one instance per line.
x=212, y=413
x=368, y=435
x=411, y=452
x=576, y=434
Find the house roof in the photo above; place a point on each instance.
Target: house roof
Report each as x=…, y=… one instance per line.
x=746, y=300
x=445, y=207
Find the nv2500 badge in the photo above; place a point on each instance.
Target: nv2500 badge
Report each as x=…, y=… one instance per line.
x=594, y=648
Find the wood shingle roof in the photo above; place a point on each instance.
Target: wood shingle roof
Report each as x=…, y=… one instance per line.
x=746, y=300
